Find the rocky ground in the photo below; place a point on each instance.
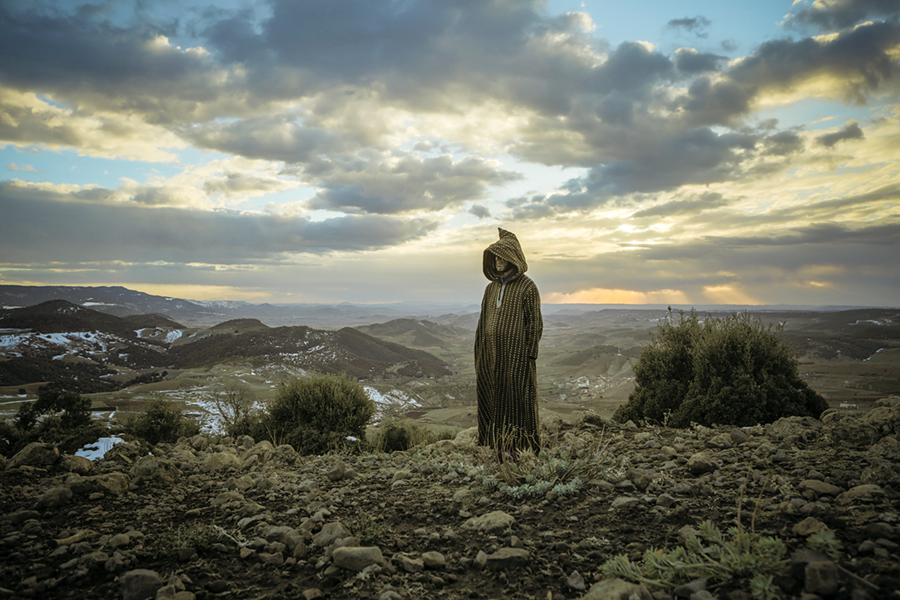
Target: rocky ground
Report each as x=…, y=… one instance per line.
x=211, y=519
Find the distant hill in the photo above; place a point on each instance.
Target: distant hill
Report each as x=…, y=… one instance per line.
x=114, y=300
x=61, y=341
x=94, y=351
x=153, y=321
x=345, y=351
x=120, y=301
x=416, y=333
x=240, y=325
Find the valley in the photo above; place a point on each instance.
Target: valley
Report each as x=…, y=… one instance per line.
x=418, y=366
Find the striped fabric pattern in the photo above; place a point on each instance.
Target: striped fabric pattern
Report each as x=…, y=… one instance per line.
x=506, y=347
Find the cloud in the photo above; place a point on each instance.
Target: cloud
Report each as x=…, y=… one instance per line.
x=44, y=226
x=15, y=167
x=398, y=183
x=841, y=14
x=689, y=61
x=694, y=25
x=480, y=211
x=850, y=131
x=704, y=202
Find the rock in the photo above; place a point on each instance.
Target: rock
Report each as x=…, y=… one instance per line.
x=434, y=560
x=617, y=589
x=337, y=471
x=263, y=450
x=880, y=472
x=807, y=526
x=139, y=584
x=701, y=463
x=847, y=428
x=312, y=594
x=822, y=577
x=119, y=540
x=75, y=464
x=507, y=558
x=357, y=558
x=575, y=581
x=885, y=420
x=687, y=590
x=493, y=521
x=108, y=483
x=409, y=564
x=53, y=498
x=35, y=454
x=739, y=436
x=861, y=493
x=794, y=427
x=221, y=461
x=887, y=448
x=719, y=441
x=466, y=437
x=820, y=487
x=227, y=497
x=152, y=469
x=285, y=455
x=275, y=559
x=330, y=533
x=640, y=478
x=624, y=502
x=665, y=500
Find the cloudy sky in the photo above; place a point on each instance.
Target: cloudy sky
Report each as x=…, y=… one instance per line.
x=649, y=151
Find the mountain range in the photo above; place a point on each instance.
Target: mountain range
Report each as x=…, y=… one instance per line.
x=121, y=301
x=94, y=351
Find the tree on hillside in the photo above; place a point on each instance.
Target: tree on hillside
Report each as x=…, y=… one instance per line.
x=232, y=400
x=728, y=371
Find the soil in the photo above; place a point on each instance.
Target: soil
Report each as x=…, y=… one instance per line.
x=184, y=523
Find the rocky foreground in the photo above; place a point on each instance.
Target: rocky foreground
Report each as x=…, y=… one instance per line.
x=237, y=519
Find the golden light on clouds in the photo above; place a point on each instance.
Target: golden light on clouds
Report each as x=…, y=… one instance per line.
x=608, y=296
x=203, y=292
x=728, y=294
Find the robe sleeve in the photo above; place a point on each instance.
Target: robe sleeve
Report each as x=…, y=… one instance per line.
x=534, y=323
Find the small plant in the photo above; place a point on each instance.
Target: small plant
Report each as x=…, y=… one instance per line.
x=709, y=555
x=173, y=541
x=558, y=468
x=824, y=541
x=367, y=529
x=162, y=422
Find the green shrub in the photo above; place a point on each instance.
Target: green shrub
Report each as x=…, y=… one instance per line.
x=162, y=422
x=402, y=434
x=317, y=413
x=728, y=371
x=59, y=416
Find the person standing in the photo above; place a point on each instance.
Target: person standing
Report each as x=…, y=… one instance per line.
x=506, y=348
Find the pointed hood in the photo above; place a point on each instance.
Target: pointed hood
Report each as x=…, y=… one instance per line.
x=507, y=248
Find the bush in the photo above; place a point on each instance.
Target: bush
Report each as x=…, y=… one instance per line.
x=729, y=371
x=162, y=422
x=59, y=416
x=403, y=434
x=317, y=413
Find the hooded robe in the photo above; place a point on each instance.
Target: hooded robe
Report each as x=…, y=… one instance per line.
x=506, y=347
